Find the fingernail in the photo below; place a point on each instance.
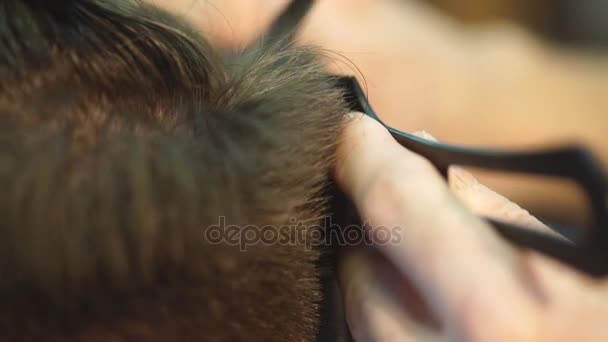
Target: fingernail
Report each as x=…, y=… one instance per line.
x=425, y=135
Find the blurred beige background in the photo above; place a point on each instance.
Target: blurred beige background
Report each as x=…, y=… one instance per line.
x=580, y=23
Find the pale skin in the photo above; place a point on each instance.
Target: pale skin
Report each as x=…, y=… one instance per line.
x=494, y=86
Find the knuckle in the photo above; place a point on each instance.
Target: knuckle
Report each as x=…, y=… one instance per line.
x=487, y=316
x=395, y=189
x=394, y=176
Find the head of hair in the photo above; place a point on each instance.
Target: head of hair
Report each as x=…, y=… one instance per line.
x=124, y=136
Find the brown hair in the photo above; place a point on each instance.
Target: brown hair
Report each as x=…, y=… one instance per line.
x=123, y=136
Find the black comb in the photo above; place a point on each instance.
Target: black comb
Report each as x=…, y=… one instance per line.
x=570, y=162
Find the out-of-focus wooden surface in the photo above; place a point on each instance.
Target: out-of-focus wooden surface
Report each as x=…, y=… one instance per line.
x=533, y=13
x=573, y=22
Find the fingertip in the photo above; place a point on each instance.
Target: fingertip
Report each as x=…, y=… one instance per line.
x=364, y=145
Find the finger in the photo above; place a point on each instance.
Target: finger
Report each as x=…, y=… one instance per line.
x=572, y=302
x=375, y=310
x=485, y=202
x=451, y=255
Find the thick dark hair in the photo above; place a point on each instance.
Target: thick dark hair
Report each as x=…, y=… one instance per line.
x=123, y=135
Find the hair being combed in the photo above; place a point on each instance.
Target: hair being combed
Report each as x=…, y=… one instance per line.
x=123, y=136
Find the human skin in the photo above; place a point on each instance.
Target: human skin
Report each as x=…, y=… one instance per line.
x=449, y=277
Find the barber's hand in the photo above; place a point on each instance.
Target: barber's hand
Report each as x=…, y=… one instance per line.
x=448, y=276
